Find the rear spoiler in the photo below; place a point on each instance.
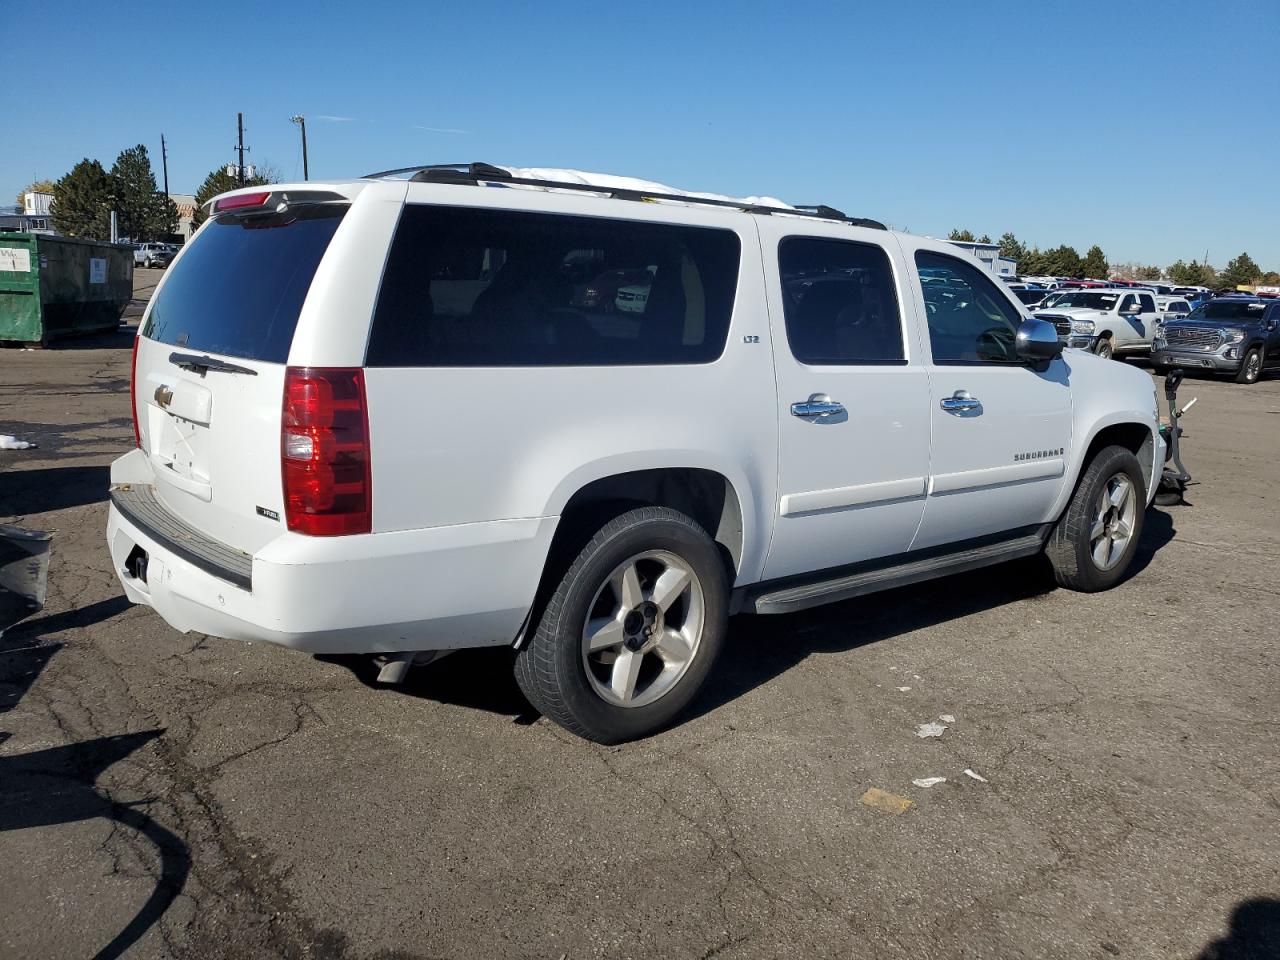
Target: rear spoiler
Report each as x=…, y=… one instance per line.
x=262, y=202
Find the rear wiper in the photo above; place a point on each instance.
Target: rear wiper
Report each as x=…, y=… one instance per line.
x=202, y=365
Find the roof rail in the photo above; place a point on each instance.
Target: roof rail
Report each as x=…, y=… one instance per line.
x=474, y=174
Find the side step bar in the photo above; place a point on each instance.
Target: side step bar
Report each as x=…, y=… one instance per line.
x=802, y=597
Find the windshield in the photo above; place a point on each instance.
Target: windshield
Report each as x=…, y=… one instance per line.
x=240, y=287
x=1248, y=310
x=1029, y=296
x=1083, y=298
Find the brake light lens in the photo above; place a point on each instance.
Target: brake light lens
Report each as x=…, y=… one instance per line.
x=324, y=452
x=240, y=201
x=133, y=393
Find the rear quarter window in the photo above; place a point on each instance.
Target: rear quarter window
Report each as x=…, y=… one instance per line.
x=239, y=289
x=481, y=287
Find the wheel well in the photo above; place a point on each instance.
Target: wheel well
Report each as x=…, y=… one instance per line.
x=1134, y=437
x=706, y=496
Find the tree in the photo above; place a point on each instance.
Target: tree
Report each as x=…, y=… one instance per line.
x=1191, y=274
x=1148, y=273
x=143, y=212
x=1063, y=261
x=985, y=238
x=82, y=202
x=1012, y=249
x=964, y=235
x=36, y=186
x=219, y=181
x=1094, y=263
x=1239, y=272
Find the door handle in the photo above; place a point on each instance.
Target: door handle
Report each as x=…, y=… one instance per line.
x=960, y=401
x=818, y=405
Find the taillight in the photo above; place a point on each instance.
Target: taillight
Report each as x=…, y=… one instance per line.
x=324, y=451
x=133, y=392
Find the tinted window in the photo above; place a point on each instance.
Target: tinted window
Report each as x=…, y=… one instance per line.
x=1148, y=302
x=970, y=320
x=839, y=302
x=1128, y=302
x=475, y=287
x=1029, y=296
x=239, y=289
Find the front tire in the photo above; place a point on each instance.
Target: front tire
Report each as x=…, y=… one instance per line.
x=1250, y=367
x=631, y=630
x=1105, y=348
x=1094, y=541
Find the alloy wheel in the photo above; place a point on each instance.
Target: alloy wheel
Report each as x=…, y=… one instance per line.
x=1114, y=514
x=643, y=629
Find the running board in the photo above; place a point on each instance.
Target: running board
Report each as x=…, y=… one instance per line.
x=791, y=599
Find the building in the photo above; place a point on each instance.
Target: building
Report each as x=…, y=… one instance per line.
x=186, y=205
x=989, y=255
x=31, y=217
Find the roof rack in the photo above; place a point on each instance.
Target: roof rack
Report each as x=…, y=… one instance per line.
x=473, y=174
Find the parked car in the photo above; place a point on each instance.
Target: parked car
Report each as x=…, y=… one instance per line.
x=1109, y=321
x=153, y=255
x=1030, y=296
x=466, y=459
x=1232, y=335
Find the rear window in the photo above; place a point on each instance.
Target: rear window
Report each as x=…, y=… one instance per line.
x=239, y=288
x=475, y=287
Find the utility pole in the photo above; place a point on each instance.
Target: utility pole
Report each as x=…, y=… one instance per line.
x=302, y=122
x=164, y=162
x=240, y=149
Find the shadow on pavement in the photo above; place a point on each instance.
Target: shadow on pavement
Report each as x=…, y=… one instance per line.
x=121, y=339
x=1254, y=934
x=85, y=616
x=27, y=492
x=48, y=788
x=760, y=648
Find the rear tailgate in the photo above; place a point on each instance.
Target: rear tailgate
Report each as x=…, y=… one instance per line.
x=211, y=360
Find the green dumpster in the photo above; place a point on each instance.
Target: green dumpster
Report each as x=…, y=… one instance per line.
x=58, y=286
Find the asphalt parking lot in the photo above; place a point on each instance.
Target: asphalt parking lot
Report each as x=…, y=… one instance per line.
x=171, y=795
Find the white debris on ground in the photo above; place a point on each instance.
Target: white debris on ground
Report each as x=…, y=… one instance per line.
x=902, y=689
x=970, y=773
x=928, y=782
x=13, y=443
x=931, y=729
x=947, y=718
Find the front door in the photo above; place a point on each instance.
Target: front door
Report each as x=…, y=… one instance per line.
x=1001, y=430
x=853, y=417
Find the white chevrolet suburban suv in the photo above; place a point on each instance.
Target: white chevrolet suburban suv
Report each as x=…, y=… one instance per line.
x=409, y=414
x=1110, y=321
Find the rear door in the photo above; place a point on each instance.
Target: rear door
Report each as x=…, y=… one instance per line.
x=210, y=365
x=853, y=396
x=1001, y=430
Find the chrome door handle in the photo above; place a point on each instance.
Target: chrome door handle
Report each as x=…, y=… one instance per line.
x=818, y=405
x=960, y=400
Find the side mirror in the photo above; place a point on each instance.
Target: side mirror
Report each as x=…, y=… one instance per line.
x=1037, y=341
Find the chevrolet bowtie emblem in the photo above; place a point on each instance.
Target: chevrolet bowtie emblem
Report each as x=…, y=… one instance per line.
x=164, y=396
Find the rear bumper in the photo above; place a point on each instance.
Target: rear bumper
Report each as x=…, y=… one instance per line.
x=441, y=588
x=1195, y=360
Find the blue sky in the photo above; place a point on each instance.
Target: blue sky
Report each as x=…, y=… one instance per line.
x=1152, y=129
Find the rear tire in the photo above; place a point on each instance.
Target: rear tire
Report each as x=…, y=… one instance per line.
x=631, y=630
x=1094, y=541
x=1250, y=367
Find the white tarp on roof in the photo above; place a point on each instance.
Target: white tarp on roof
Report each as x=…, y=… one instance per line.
x=612, y=182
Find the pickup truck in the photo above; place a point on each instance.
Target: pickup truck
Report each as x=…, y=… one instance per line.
x=153, y=255
x=1108, y=322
